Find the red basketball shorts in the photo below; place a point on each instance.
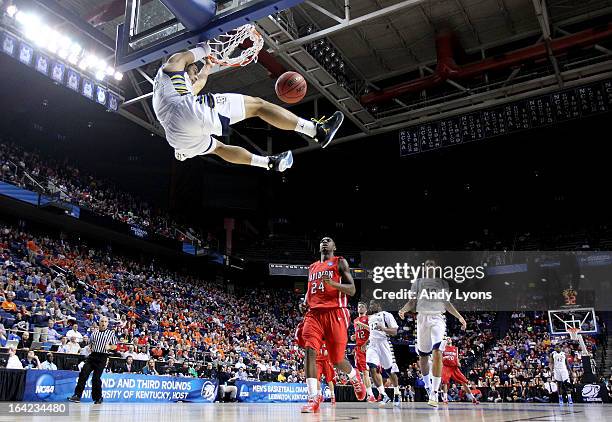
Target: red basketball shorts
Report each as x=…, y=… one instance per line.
x=454, y=373
x=327, y=326
x=298, y=336
x=360, y=360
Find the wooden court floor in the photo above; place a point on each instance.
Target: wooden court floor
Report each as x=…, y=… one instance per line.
x=242, y=412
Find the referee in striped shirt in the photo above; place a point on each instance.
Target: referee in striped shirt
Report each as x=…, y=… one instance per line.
x=102, y=341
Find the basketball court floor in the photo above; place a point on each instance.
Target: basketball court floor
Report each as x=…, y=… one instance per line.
x=457, y=412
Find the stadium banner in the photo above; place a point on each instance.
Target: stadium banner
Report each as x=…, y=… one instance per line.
x=591, y=393
x=274, y=392
x=53, y=386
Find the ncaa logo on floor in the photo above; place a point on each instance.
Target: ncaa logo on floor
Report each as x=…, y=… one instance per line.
x=45, y=386
x=209, y=391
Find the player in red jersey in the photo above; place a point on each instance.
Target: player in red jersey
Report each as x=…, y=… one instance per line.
x=326, y=369
x=327, y=319
x=451, y=369
x=361, y=337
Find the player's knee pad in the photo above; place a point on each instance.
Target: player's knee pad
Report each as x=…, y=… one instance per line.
x=421, y=353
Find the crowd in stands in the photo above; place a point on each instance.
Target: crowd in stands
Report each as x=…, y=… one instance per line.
x=71, y=184
x=519, y=362
x=54, y=290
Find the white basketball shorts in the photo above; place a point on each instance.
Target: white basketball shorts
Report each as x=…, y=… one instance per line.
x=431, y=330
x=380, y=353
x=561, y=374
x=196, y=118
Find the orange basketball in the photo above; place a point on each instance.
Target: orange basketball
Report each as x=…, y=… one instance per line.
x=290, y=87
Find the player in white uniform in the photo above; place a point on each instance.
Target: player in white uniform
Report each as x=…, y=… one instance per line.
x=380, y=351
x=431, y=326
x=190, y=119
x=558, y=366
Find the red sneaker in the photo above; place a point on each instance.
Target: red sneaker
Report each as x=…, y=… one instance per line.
x=333, y=400
x=475, y=401
x=313, y=405
x=372, y=399
x=359, y=386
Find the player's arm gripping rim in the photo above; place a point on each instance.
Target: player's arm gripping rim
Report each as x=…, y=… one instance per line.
x=178, y=62
x=348, y=285
x=202, y=77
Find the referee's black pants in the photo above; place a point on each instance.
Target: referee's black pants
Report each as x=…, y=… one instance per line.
x=96, y=362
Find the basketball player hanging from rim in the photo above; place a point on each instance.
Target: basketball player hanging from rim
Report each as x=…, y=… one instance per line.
x=431, y=326
x=327, y=320
x=190, y=118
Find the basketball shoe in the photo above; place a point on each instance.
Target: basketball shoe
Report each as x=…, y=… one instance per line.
x=327, y=128
x=433, y=399
x=280, y=162
x=359, y=386
x=313, y=404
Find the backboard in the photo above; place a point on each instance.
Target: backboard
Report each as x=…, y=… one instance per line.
x=151, y=31
x=562, y=319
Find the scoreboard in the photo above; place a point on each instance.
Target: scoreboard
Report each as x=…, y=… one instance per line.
x=510, y=118
x=300, y=270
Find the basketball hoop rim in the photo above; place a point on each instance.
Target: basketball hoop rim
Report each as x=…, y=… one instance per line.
x=573, y=332
x=256, y=37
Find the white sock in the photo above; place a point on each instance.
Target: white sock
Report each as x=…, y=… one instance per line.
x=445, y=395
x=259, y=161
x=313, y=389
x=435, y=383
x=381, y=390
x=396, y=391
x=370, y=392
x=427, y=382
x=352, y=374
x=306, y=127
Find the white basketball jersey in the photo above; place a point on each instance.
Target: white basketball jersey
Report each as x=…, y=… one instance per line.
x=559, y=360
x=425, y=289
x=381, y=319
x=169, y=89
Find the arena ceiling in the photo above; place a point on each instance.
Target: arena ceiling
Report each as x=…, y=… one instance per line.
x=383, y=43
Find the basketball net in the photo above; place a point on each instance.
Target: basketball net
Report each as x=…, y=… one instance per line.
x=223, y=47
x=574, y=336
x=573, y=333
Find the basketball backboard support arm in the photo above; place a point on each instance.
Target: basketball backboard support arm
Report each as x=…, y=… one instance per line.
x=125, y=59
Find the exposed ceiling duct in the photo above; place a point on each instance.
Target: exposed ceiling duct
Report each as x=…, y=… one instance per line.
x=447, y=69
